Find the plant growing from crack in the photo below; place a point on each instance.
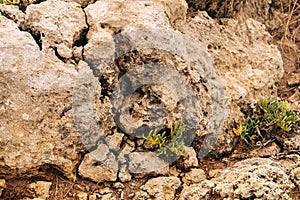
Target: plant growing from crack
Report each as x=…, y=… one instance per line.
x=166, y=143
x=269, y=114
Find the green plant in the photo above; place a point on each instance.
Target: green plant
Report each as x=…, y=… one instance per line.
x=270, y=113
x=248, y=129
x=165, y=143
x=12, y=2
x=277, y=113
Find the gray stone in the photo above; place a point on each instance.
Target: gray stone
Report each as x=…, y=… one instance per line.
x=100, y=165
x=142, y=163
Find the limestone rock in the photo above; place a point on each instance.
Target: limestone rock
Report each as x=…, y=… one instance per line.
x=100, y=165
x=197, y=191
x=114, y=141
x=41, y=189
x=58, y=23
x=237, y=57
x=36, y=97
x=124, y=175
x=194, y=176
x=247, y=60
x=162, y=187
x=258, y=177
x=120, y=14
x=146, y=162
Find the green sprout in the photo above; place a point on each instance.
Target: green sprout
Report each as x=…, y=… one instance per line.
x=271, y=113
x=168, y=143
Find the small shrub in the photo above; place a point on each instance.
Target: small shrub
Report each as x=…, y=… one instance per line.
x=166, y=143
x=269, y=115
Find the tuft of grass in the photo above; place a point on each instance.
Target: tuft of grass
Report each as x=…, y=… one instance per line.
x=270, y=114
x=166, y=143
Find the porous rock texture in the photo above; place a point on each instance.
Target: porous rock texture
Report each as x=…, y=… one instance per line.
x=261, y=178
x=81, y=82
x=36, y=97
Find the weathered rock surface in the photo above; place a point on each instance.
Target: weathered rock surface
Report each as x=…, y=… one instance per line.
x=58, y=23
x=100, y=165
x=247, y=61
x=267, y=12
x=12, y=12
x=193, y=176
x=36, y=96
x=162, y=187
x=142, y=163
x=260, y=178
x=52, y=112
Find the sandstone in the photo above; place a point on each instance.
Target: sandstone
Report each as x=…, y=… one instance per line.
x=162, y=187
x=292, y=143
x=124, y=174
x=100, y=165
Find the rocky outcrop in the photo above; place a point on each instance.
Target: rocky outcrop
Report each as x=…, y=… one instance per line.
x=252, y=178
x=83, y=87
x=36, y=97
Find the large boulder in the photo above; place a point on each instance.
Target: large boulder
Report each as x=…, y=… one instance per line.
x=36, y=98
